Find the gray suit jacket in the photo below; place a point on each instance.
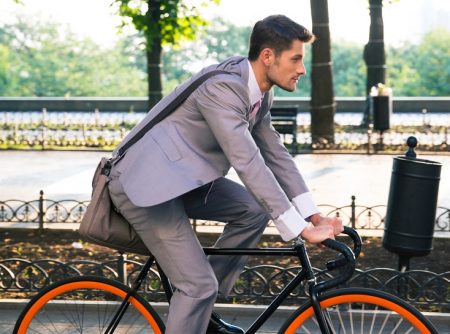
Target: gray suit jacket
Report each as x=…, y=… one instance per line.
x=199, y=142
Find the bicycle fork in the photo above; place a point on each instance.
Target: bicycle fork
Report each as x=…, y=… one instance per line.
x=324, y=325
x=347, y=260
x=313, y=286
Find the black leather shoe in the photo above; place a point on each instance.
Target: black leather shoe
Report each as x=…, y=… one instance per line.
x=218, y=326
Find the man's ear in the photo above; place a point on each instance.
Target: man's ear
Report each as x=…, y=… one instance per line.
x=267, y=56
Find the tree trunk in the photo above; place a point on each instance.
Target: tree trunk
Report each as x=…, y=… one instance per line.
x=322, y=103
x=374, y=54
x=154, y=54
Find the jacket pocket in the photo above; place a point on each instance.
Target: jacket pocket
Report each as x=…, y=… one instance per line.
x=162, y=135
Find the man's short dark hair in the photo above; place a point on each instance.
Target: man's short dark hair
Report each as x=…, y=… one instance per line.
x=276, y=32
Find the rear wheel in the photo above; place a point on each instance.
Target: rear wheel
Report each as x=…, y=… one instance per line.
x=86, y=305
x=355, y=310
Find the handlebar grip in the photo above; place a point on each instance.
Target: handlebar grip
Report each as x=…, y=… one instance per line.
x=357, y=243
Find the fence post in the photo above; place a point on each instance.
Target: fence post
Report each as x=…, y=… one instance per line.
x=353, y=217
x=369, y=138
x=122, y=267
x=446, y=133
x=44, y=127
x=97, y=116
x=41, y=211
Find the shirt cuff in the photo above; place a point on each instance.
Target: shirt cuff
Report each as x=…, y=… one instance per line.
x=290, y=224
x=305, y=205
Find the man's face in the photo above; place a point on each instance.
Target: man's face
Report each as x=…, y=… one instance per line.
x=288, y=67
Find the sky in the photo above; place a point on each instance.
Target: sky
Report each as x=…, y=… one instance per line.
x=404, y=20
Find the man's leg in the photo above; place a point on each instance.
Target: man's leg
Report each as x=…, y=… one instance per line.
x=166, y=231
x=227, y=201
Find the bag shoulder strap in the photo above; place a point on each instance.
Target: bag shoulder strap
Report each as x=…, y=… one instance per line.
x=169, y=109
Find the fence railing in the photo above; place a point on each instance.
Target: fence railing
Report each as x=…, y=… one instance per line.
x=48, y=213
x=426, y=290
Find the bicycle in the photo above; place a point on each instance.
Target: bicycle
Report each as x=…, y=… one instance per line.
x=121, y=309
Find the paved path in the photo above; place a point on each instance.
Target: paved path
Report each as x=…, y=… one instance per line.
x=333, y=178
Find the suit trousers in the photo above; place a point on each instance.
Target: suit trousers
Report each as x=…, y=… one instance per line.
x=166, y=231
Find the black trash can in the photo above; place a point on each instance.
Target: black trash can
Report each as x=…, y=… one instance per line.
x=411, y=209
x=381, y=108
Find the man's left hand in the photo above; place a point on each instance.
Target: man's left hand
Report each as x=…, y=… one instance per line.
x=317, y=220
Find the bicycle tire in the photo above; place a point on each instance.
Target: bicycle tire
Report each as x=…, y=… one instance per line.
x=361, y=310
x=86, y=304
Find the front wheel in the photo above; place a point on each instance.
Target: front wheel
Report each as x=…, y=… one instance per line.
x=86, y=304
x=359, y=310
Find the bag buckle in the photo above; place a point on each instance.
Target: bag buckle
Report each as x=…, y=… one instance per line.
x=107, y=168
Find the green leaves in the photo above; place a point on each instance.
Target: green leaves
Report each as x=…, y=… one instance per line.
x=170, y=22
x=422, y=69
x=37, y=59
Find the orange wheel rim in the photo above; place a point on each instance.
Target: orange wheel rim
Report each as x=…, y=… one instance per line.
x=358, y=298
x=84, y=285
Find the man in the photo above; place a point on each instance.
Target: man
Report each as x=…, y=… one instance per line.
x=176, y=172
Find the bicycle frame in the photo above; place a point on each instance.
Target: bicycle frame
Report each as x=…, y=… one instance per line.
x=306, y=273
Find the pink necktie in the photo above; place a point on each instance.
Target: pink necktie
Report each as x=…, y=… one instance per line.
x=255, y=109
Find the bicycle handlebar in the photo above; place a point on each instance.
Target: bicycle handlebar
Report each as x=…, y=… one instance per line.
x=342, y=261
x=346, y=258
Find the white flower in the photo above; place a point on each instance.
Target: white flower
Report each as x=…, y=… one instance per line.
x=381, y=90
x=77, y=245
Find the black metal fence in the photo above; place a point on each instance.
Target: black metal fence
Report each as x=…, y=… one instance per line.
x=22, y=277
x=259, y=284
x=47, y=213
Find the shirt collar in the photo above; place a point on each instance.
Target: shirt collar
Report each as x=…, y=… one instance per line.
x=253, y=87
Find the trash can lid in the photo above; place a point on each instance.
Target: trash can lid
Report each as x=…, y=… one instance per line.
x=417, y=161
x=417, y=168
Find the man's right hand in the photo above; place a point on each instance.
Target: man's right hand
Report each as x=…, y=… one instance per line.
x=317, y=234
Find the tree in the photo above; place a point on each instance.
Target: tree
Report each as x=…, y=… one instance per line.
x=5, y=80
x=403, y=73
x=223, y=40
x=348, y=69
x=220, y=41
x=374, y=54
x=322, y=103
x=161, y=22
x=433, y=63
x=37, y=60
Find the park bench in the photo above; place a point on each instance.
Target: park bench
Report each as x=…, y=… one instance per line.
x=284, y=120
